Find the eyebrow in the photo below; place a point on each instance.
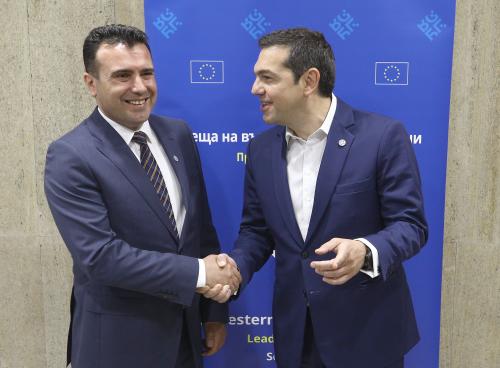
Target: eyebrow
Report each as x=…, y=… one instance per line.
x=264, y=71
x=145, y=70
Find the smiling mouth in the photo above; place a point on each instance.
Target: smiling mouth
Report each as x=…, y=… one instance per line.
x=140, y=102
x=265, y=105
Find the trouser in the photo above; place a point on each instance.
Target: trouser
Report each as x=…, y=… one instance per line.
x=310, y=354
x=185, y=355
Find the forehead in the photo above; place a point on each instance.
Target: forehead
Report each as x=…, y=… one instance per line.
x=272, y=58
x=120, y=56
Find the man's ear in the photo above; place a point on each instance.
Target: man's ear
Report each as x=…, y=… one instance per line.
x=90, y=83
x=311, y=80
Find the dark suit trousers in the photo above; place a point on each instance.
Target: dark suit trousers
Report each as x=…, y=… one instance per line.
x=185, y=355
x=310, y=354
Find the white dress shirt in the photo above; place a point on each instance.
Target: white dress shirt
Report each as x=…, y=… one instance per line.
x=303, y=161
x=167, y=171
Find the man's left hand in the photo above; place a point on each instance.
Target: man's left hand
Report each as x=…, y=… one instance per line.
x=349, y=258
x=215, y=336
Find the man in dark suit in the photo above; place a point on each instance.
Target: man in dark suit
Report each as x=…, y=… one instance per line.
x=336, y=193
x=127, y=193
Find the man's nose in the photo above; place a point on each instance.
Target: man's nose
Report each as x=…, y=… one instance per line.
x=257, y=89
x=138, y=85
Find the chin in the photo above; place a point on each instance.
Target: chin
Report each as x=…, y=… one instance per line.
x=271, y=121
x=141, y=117
x=268, y=119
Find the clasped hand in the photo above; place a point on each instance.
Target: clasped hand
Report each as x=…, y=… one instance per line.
x=223, y=277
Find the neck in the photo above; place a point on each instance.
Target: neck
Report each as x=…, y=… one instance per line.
x=311, y=117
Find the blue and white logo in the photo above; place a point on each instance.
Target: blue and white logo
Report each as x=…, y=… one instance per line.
x=207, y=71
x=431, y=25
x=392, y=73
x=167, y=23
x=255, y=24
x=343, y=24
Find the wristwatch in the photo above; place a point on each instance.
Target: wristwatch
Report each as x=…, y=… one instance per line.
x=368, y=264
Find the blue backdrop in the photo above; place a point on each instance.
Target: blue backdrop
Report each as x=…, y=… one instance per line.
x=392, y=57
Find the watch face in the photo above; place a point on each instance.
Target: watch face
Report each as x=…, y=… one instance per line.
x=368, y=265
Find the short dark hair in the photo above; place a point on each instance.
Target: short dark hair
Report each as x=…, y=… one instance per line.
x=308, y=49
x=111, y=34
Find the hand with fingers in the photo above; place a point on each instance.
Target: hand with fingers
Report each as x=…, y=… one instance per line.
x=348, y=260
x=223, y=278
x=215, y=336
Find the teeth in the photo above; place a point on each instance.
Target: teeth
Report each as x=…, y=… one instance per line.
x=137, y=102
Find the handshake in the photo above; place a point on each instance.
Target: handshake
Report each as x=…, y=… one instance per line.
x=222, y=277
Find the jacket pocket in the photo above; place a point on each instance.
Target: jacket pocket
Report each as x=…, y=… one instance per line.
x=355, y=187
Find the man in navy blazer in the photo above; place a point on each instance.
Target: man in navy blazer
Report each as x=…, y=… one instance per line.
x=138, y=257
x=336, y=193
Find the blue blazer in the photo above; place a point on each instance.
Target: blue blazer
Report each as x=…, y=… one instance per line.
x=132, y=279
x=369, y=187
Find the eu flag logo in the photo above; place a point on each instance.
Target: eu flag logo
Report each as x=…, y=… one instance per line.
x=392, y=73
x=207, y=71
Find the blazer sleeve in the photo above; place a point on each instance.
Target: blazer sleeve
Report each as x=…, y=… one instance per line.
x=255, y=243
x=80, y=213
x=401, y=202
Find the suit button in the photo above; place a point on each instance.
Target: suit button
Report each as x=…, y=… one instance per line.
x=305, y=254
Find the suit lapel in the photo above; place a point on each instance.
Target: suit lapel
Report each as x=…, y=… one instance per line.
x=111, y=145
x=281, y=188
x=337, y=148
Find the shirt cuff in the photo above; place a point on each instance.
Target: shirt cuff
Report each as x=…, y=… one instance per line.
x=375, y=271
x=202, y=276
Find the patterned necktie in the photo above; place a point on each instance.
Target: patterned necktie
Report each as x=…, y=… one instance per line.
x=153, y=172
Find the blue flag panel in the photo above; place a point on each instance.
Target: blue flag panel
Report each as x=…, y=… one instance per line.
x=392, y=57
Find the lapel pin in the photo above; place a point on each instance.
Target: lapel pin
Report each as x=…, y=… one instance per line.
x=176, y=159
x=342, y=142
